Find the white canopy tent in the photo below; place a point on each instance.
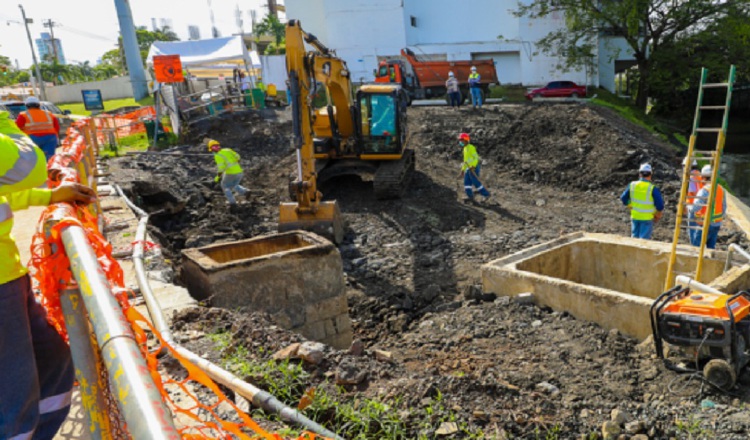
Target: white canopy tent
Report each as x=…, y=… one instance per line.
x=209, y=58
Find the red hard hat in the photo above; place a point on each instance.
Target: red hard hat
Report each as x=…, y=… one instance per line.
x=463, y=137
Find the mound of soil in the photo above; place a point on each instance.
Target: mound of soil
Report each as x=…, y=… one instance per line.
x=410, y=264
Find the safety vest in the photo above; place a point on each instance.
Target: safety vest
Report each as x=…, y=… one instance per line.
x=22, y=170
x=474, y=79
x=694, y=185
x=642, y=200
x=228, y=161
x=471, y=158
x=38, y=122
x=718, y=214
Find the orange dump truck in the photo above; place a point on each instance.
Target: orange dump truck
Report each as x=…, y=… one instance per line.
x=426, y=79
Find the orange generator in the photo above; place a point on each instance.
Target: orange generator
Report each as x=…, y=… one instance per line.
x=712, y=327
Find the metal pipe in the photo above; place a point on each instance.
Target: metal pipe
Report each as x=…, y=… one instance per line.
x=258, y=397
x=139, y=400
x=86, y=361
x=686, y=281
x=730, y=252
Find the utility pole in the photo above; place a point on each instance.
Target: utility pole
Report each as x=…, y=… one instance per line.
x=51, y=25
x=132, y=54
x=214, y=31
x=40, y=80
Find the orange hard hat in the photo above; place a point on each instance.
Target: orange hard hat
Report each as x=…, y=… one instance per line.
x=463, y=137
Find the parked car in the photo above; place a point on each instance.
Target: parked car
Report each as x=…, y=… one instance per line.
x=558, y=89
x=63, y=116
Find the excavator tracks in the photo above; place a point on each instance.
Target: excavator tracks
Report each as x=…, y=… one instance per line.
x=392, y=177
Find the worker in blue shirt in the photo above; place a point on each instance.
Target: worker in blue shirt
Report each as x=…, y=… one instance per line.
x=645, y=203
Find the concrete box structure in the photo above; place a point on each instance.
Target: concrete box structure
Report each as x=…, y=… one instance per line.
x=607, y=279
x=296, y=277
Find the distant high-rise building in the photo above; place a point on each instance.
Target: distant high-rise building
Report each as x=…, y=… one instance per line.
x=153, y=24
x=166, y=23
x=194, y=32
x=48, y=47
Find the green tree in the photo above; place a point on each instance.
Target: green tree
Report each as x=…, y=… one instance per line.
x=273, y=27
x=146, y=37
x=676, y=67
x=645, y=25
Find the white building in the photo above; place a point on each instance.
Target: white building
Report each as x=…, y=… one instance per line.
x=363, y=32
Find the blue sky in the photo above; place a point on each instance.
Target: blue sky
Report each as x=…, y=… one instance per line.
x=86, y=39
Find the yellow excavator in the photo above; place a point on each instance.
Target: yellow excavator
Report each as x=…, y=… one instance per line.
x=363, y=135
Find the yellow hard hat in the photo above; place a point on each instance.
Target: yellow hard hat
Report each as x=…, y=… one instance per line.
x=212, y=143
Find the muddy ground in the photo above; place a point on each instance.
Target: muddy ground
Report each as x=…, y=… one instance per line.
x=500, y=368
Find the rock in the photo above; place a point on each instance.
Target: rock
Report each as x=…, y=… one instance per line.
x=288, y=352
x=357, y=348
x=348, y=373
x=430, y=293
x=610, y=430
x=540, y=202
x=447, y=428
x=547, y=388
x=473, y=292
x=383, y=356
x=312, y=352
x=585, y=413
x=397, y=324
x=536, y=323
x=479, y=414
x=639, y=437
x=707, y=404
x=524, y=298
x=634, y=427
x=619, y=416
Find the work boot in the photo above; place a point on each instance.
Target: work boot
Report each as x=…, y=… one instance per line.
x=468, y=199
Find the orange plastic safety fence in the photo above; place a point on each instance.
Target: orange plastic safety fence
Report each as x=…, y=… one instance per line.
x=198, y=418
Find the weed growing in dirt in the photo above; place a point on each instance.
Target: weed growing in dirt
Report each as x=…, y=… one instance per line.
x=691, y=429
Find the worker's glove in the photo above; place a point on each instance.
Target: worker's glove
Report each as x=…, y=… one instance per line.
x=217, y=178
x=462, y=173
x=657, y=217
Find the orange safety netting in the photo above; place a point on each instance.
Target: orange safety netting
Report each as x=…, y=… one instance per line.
x=125, y=124
x=198, y=418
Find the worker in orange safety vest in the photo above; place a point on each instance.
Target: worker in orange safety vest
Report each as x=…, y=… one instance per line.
x=41, y=126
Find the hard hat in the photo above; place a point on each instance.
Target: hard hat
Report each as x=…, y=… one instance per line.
x=450, y=73
x=463, y=137
x=473, y=68
x=32, y=100
x=707, y=171
x=694, y=163
x=645, y=168
x=213, y=145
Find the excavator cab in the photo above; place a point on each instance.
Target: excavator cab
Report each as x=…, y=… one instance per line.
x=382, y=120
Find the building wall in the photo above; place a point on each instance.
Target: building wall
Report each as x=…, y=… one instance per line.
x=115, y=88
x=362, y=30
x=611, y=49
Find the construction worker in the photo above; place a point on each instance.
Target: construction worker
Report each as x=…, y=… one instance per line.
x=470, y=169
x=41, y=125
x=454, y=93
x=229, y=171
x=475, y=88
x=700, y=206
x=37, y=371
x=694, y=185
x=392, y=74
x=645, y=203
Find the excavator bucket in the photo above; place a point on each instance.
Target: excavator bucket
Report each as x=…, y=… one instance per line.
x=325, y=221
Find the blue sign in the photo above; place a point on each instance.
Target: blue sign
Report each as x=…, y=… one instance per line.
x=92, y=99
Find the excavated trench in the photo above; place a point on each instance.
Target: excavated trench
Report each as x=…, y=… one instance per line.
x=412, y=268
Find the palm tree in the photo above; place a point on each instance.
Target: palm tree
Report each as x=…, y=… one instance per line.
x=273, y=27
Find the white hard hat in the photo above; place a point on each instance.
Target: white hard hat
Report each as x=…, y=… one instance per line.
x=473, y=68
x=645, y=168
x=32, y=100
x=694, y=163
x=450, y=73
x=706, y=171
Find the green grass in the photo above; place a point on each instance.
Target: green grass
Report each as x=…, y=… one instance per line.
x=77, y=108
x=508, y=93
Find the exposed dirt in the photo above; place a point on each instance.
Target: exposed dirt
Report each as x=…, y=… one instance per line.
x=409, y=265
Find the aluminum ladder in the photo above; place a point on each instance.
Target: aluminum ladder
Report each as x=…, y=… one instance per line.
x=713, y=157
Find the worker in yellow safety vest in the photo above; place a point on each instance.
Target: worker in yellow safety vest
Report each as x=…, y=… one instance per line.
x=229, y=171
x=37, y=371
x=645, y=203
x=471, y=168
x=699, y=210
